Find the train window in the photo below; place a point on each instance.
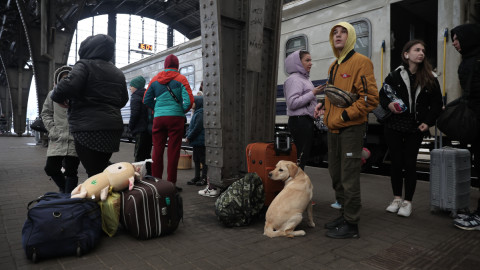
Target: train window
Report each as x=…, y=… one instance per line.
x=295, y=43
x=189, y=73
x=362, y=29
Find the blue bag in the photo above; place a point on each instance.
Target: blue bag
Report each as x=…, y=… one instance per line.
x=60, y=226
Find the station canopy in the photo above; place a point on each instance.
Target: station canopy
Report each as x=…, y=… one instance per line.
x=181, y=15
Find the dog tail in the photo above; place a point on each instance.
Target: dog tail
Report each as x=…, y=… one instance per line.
x=268, y=231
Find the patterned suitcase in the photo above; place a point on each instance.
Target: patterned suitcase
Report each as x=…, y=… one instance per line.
x=151, y=209
x=449, y=179
x=261, y=159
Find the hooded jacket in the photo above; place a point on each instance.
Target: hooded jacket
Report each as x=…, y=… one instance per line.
x=95, y=89
x=158, y=98
x=196, y=132
x=138, y=113
x=297, y=88
x=351, y=72
x=54, y=118
x=467, y=35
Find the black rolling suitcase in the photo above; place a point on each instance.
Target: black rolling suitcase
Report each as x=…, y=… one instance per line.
x=151, y=209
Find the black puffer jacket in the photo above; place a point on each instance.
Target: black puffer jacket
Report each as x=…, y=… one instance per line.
x=427, y=104
x=95, y=89
x=138, y=113
x=467, y=35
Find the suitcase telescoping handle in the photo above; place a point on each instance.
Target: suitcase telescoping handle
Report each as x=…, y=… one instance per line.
x=438, y=142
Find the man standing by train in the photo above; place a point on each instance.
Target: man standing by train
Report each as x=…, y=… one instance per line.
x=351, y=72
x=466, y=42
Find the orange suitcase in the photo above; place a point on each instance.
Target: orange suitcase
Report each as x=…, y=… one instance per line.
x=261, y=159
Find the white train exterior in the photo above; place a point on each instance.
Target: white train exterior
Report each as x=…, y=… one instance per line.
x=382, y=26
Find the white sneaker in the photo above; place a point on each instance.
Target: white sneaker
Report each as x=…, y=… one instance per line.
x=405, y=210
x=209, y=192
x=394, y=206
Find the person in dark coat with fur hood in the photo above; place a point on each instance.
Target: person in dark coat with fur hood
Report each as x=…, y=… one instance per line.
x=94, y=92
x=139, y=121
x=466, y=42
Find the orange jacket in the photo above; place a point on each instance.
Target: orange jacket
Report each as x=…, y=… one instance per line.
x=354, y=74
x=351, y=72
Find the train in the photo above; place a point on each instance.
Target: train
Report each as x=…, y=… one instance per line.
x=382, y=28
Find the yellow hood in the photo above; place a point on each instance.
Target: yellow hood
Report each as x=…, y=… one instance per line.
x=349, y=45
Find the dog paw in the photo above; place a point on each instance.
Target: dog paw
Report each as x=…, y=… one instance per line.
x=311, y=224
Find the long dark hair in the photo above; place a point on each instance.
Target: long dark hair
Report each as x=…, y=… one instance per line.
x=424, y=76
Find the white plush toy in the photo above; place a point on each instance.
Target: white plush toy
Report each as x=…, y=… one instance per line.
x=141, y=168
x=119, y=176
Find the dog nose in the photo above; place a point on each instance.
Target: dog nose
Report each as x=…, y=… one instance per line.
x=270, y=174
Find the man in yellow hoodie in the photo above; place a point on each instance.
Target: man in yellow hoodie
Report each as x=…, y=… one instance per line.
x=351, y=72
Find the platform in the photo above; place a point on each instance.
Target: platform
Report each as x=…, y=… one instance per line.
x=422, y=241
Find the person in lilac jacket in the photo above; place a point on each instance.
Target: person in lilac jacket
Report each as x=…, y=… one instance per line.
x=300, y=95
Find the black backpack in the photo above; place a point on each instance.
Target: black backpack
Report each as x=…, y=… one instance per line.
x=241, y=202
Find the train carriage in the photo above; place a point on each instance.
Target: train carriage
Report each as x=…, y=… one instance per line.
x=382, y=26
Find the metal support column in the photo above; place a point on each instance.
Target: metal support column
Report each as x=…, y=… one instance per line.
x=112, y=30
x=240, y=59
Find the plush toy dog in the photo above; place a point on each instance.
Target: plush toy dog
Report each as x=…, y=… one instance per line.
x=119, y=176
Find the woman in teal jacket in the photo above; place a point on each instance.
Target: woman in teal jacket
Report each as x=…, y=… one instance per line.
x=170, y=96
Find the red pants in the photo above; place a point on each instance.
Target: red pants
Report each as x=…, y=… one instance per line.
x=171, y=128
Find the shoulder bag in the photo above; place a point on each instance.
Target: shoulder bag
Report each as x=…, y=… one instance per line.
x=38, y=125
x=458, y=121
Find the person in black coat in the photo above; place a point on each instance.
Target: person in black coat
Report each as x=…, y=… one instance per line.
x=466, y=42
x=94, y=92
x=139, y=121
x=417, y=86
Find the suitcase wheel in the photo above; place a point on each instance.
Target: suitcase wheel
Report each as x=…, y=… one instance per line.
x=34, y=256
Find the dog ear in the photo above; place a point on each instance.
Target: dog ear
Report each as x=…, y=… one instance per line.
x=292, y=169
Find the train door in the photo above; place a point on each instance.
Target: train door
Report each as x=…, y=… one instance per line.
x=413, y=19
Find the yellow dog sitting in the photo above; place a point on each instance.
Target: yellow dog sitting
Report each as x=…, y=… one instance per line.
x=119, y=176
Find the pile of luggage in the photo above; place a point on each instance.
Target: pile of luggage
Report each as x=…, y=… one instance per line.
x=58, y=225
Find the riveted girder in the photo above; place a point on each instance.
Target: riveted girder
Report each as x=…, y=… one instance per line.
x=240, y=58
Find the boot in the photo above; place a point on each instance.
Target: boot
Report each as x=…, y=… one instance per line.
x=345, y=230
x=59, y=181
x=335, y=223
x=71, y=183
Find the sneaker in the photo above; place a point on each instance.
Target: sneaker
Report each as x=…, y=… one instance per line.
x=209, y=192
x=193, y=181
x=405, y=210
x=460, y=217
x=394, y=206
x=470, y=223
x=201, y=182
x=344, y=231
x=336, y=205
x=335, y=223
